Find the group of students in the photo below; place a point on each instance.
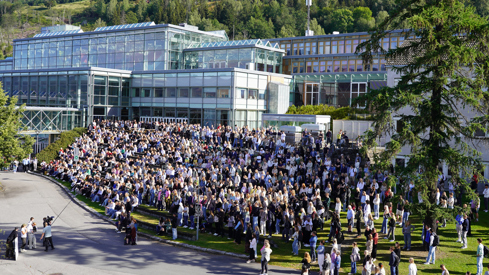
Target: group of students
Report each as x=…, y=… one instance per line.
x=28, y=237
x=248, y=181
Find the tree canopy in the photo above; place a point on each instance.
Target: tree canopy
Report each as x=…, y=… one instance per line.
x=12, y=145
x=440, y=102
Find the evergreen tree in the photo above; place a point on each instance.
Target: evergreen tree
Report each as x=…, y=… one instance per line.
x=441, y=100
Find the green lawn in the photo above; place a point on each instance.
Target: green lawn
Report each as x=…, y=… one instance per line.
x=449, y=253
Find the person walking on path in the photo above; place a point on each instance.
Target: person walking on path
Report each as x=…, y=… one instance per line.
x=480, y=256
x=23, y=236
x=46, y=233
x=265, y=257
x=413, y=270
x=407, y=230
x=252, y=249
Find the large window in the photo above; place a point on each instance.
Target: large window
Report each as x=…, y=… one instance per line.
x=209, y=92
x=241, y=93
x=171, y=92
x=223, y=92
x=358, y=89
x=197, y=92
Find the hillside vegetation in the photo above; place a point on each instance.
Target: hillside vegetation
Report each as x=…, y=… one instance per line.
x=242, y=19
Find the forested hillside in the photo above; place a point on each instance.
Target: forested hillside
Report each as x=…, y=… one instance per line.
x=242, y=19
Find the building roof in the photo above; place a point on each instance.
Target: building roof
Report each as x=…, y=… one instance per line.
x=255, y=42
x=126, y=26
x=57, y=33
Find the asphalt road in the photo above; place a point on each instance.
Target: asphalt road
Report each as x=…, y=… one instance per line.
x=85, y=244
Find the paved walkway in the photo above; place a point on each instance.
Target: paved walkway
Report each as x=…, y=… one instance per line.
x=88, y=245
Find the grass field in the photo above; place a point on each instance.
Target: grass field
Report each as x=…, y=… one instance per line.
x=449, y=253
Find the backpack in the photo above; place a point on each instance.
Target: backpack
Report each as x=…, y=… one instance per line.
x=301, y=236
x=436, y=240
x=486, y=251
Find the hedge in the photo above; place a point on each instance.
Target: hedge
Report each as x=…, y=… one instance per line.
x=323, y=109
x=66, y=139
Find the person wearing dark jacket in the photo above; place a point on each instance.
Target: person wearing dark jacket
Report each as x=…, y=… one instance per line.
x=10, y=252
x=465, y=229
x=358, y=215
x=393, y=261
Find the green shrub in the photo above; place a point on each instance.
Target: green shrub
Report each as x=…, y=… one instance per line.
x=323, y=109
x=66, y=139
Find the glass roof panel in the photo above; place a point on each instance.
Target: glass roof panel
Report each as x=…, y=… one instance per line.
x=57, y=33
x=127, y=26
x=256, y=42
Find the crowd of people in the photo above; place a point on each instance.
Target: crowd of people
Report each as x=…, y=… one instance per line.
x=254, y=184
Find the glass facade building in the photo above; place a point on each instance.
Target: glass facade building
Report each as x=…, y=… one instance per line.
x=143, y=70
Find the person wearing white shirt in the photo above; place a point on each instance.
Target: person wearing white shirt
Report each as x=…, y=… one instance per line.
x=413, y=270
x=360, y=184
x=486, y=197
x=31, y=238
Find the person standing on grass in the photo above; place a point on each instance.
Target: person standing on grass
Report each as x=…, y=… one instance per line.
x=480, y=256
x=432, y=250
x=393, y=261
x=486, y=197
x=413, y=270
x=320, y=252
x=312, y=242
x=354, y=257
x=465, y=229
x=375, y=241
x=392, y=229
x=265, y=257
x=407, y=230
x=337, y=263
x=306, y=261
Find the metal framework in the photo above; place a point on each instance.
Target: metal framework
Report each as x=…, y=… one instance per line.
x=46, y=120
x=163, y=119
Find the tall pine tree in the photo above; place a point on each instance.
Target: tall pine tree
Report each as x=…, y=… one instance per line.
x=441, y=99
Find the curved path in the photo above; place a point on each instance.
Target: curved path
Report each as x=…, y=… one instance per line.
x=88, y=245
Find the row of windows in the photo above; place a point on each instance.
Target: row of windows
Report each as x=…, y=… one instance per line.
x=171, y=92
x=352, y=65
x=334, y=46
